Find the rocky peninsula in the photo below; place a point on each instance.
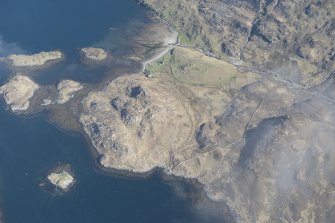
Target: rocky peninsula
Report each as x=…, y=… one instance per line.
x=245, y=136
x=18, y=91
x=38, y=59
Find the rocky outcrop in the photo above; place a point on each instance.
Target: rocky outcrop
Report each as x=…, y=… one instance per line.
x=130, y=116
x=62, y=178
x=38, y=59
x=18, y=91
x=95, y=54
x=66, y=90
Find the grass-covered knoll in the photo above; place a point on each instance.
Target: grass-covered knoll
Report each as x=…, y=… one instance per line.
x=191, y=67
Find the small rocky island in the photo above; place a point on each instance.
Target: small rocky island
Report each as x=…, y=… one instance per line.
x=94, y=54
x=66, y=90
x=18, y=91
x=38, y=59
x=62, y=178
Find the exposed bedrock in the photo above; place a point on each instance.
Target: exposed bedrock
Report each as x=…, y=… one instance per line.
x=131, y=115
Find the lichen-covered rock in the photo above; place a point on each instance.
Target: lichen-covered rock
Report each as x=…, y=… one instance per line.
x=38, y=59
x=18, y=91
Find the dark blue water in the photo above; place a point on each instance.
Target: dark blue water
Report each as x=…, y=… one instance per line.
x=30, y=26
x=30, y=147
x=37, y=25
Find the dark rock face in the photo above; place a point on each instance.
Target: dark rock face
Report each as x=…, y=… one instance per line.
x=136, y=92
x=95, y=129
x=129, y=106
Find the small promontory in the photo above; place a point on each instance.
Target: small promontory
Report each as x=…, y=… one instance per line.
x=38, y=59
x=18, y=91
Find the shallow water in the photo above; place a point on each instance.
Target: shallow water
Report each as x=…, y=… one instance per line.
x=30, y=146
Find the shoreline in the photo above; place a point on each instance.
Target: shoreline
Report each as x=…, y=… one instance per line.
x=170, y=42
x=157, y=56
x=197, y=189
x=46, y=115
x=168, y=45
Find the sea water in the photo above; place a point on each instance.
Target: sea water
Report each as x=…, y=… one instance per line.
x=31, y=146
